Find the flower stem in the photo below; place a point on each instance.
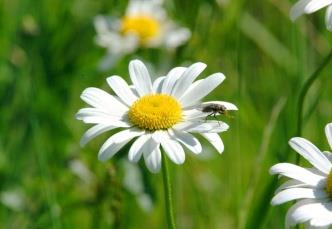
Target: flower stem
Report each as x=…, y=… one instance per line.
x=168, y=193
x=303, y=93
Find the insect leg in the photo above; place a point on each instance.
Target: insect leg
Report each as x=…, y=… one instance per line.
x=209, y=115
x=215, y=117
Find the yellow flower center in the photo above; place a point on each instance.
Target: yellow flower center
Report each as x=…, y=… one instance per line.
x=155, y=112
x=145, y=27
x=328, y=186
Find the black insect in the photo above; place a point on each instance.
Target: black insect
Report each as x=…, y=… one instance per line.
x=214, y=109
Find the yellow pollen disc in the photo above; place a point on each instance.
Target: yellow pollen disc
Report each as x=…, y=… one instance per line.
x=328, y=186
x=145, y=27
x=155, y=112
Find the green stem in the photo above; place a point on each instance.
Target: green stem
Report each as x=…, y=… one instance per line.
x=303, y=93
x=168, y=193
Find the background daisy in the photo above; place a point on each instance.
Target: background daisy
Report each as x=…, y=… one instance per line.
x=311, y=187
x=311, y=6
x=144, y=25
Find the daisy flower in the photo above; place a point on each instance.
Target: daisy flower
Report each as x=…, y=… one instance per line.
x=311, y=6
x=311, y=187
x=160, y=114
x=145, y=24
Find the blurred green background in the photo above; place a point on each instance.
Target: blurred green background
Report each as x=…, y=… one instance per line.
x=48, y=57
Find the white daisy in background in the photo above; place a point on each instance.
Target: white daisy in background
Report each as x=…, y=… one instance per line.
x=163, y=113
x=311, y=187
x=311, y=6
x=145, y=24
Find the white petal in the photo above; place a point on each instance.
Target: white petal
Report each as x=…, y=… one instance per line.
x=133, y=90
x=148, y=147
x=194, y=94
x=193, y=114
x=136, y=148
x=121, y=88
x=140, y=77
x=202, y=127
x=297, y=173
x=322, y=221
x=215, y=140
x=188, y=140
x=101, y=24
x=126, y=44
x=91, y=111
x=292, y=184
x=328, y=155
x=328, y=18
x=158, y=84
x=171, y=79
x=145, y=7
x=229, y=106
x=298, y=193
x=316, y=171
x=102, y=100
x=176, y=37
x=300, y=212
x=94, y=132
x=307, y=209
x=311, y=153
x=298, y=9
x=109, y=61
x=313, y=227
x=104, y=120
x=116, y=142
x=172, y=148
x=192, y=86
x=328, y=132
x=97, y=116
x=313, y=6
x=187, y=78
x=153, y=159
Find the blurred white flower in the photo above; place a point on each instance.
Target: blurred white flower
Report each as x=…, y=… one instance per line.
x=311, y=187
x=133, y=182
x=222, y=3
x=160, y=113
x=311, y=6
x=145, y=24
x=13, y=199
x=82, y=171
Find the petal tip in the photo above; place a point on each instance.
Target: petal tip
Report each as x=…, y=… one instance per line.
x=135, y=61
x=273, y=202
x=292, y=16
x=221, y=75
x=235, y=108
x=102, y=156
x=77, y=116
x=82, y=143
x=200, y=65
x=273, y=170
x=154, y=171
x=220, y=151
x=294, y=140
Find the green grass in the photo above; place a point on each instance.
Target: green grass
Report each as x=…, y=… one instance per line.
x=48, y=57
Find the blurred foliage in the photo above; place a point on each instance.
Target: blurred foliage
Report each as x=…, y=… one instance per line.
x=48, y=57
